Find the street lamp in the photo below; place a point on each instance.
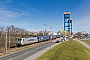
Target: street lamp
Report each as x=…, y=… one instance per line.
x=50, y=36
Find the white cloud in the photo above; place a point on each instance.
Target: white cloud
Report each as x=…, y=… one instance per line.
x=35, y=11
x=8, y=14
x=81, y=17
x=9, y=17
x=82, y=23
x=8, y=0
x=15, y=17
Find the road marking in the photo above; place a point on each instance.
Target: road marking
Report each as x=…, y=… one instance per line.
x=9, y=59
x=26, y=52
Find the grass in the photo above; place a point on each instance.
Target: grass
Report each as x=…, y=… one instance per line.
x=86, y=41
x=70, y=50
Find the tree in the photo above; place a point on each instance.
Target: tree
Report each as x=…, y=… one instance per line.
x=78, y=35
x=1, y=31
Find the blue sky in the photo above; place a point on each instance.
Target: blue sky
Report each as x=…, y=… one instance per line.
x=33, y=14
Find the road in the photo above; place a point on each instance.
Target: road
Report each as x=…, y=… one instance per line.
x=20, y=55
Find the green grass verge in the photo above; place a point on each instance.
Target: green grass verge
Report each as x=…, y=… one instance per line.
x=86, y=41
x=70, y=50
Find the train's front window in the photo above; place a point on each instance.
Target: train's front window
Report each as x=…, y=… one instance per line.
x=19, y=39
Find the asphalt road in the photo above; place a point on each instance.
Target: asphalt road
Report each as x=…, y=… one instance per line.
x=20, y=55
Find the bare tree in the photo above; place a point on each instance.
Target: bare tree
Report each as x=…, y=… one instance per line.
x=1, y=31
x=78, y=35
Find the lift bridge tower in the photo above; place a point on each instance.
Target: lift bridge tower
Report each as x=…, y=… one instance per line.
x=67, y=23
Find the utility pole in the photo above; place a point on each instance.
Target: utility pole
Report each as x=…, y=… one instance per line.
x=6, y=44
x=9, y=38
x=7, y=41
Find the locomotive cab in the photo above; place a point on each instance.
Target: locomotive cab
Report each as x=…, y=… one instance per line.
x=20, y=41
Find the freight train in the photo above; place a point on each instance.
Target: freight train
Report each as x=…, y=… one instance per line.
x=24, y=41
